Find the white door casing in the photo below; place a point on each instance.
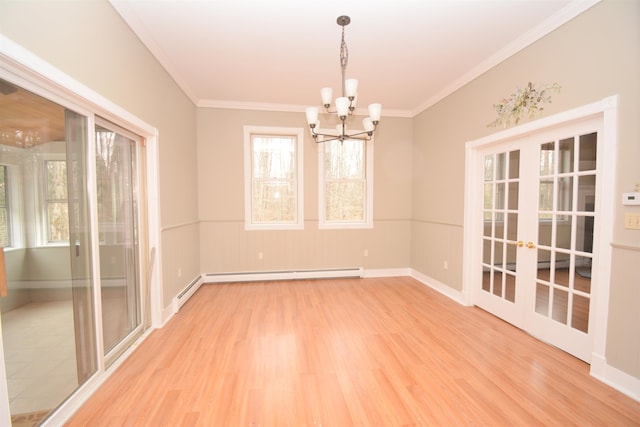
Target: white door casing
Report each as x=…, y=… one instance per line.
x=528, y=137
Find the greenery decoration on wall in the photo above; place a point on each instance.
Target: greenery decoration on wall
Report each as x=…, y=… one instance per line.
x=528, y=100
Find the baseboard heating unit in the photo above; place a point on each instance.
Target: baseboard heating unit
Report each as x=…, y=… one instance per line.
x=186, y=293
x=254, y=276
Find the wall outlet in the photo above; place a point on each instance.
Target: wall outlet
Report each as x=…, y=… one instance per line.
x=366, y=252
x=260, y=255
x=445, y=265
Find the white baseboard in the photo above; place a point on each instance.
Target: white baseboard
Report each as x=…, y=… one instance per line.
x=282, y=275
x=619, y=380
x=387, y=272
x=457, y=296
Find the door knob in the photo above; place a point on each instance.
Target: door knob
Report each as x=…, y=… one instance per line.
x=519, y=243
x=531, y=245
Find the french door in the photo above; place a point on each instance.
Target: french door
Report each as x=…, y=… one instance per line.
x=537, y=238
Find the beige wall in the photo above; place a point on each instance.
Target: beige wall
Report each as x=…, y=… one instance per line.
x=227, y=247
x=419, y=163
x=90, y=42
x=594, y=56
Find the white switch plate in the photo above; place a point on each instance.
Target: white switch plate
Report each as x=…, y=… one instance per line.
x=632, y=221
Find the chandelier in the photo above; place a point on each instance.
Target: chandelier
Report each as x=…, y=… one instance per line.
x=345, y=105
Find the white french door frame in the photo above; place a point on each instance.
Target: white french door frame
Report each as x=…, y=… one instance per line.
x=23, y=68
x=606, y=111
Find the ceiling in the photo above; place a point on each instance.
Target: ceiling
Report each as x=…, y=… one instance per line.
x=277, y=54
x=27, y=119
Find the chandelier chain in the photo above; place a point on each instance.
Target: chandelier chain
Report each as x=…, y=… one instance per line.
x=344, y=59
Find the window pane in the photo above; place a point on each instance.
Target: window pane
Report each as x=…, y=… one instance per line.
x=4, y=227
x=566, y=156
x=344, y=160
x=5, y=234
x=501, y=166
x=273, y=201
x=546, y=159
x=344, y=201
x=3, y=186
x=56, y=180
x=546, y=195
x=345, y=182
x=58, y=221
x=488, y=167
x=565, y=193
x=274, y=157
x=514, y=164
x=588, y=151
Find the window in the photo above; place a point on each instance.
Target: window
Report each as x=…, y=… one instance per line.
x=346, y=184
x=5, y=218
x=273, y=178
x=55, y=201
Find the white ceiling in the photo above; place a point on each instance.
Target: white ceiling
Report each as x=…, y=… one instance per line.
x=277, y=54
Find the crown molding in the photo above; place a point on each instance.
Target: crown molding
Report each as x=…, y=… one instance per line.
x=287, y=108
x=555, y=21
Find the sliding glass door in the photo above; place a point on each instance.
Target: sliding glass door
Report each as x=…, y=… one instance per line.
x=47, y=306
x=70, y=252
x=118, y=235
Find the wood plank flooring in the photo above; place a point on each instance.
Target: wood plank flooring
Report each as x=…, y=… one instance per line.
x=347, y=352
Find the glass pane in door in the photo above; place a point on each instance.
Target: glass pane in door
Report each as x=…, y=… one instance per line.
x=500, y=214
x=565, y=230
x=47, y=313
x=117, y=221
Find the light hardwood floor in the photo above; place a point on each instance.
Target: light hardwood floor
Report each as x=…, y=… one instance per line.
x=365, y=352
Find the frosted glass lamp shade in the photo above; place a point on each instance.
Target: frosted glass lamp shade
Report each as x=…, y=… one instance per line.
x=374, y=112
x=351, y=88
x=368, y=124
x=312, y=115
x=326, y=93
x=342, y=106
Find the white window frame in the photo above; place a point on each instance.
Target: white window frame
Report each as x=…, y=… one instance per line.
x=14, y=202
x=323, y=223
x=298, y=133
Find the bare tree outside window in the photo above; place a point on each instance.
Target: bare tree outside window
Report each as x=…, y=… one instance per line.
x=274, y=178
x=345, y=181
x=56, y=200
x=5, y=227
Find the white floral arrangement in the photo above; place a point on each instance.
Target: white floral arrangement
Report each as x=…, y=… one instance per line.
x=528, y=100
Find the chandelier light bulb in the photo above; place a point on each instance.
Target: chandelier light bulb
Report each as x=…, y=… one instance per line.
x=368, y=125
x=326, y=93
x=351, y=88
x=312, y=115
x=374, y=112
x=342, y=106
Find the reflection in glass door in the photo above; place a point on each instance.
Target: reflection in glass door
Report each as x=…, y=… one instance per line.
x=117, y=222
x=539, y=205
x=501, y=188
x=47, y=314
x=567, y=182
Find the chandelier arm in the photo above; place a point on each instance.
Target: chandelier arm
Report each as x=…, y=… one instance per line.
x=343, y=137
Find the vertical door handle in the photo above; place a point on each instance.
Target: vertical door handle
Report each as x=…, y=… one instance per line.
x=3, y=274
